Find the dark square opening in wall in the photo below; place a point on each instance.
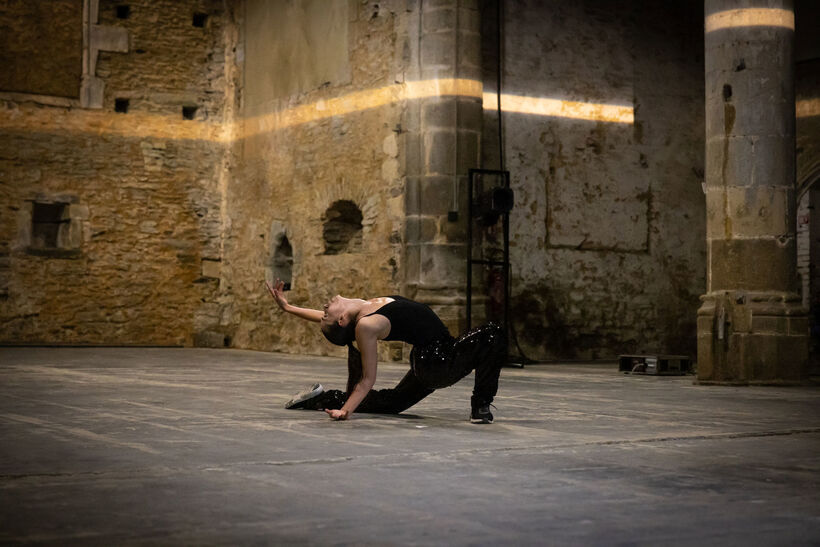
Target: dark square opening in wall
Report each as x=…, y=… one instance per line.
x=121, y=105
x=200, y=19
x=188, y=112
x=46, y=221
x=123, y=11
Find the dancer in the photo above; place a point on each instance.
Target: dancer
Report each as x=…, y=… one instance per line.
x=437, y=360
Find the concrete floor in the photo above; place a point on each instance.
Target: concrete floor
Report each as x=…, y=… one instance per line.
x=185, y=446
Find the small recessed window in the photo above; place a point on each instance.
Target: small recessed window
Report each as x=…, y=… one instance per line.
x=188, y=112
x=47, y=219
x=121, y=105
x=123, y=11
x=282, y=264
x=56, y=229
x=342, y=228
x=200, y=19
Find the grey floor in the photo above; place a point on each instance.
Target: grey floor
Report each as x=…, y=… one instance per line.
x=181, y=446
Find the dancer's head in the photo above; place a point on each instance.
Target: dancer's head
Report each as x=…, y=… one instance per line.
x=338, y=325
x=338, y=334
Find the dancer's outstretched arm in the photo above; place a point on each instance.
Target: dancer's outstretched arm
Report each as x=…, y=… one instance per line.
x=277, y=291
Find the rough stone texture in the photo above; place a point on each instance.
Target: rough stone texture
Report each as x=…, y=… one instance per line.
x=41, y=47
x=607, y=232
x=807, y=94
x=445, y=132
x=753, y=264
x=289, y=174
x=751, y=224
x=804, y=248
x=752, y=338
x=143, y=189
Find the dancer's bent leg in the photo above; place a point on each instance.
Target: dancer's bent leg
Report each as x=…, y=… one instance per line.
x=488, y=363
x=482, y=349
x=408, y=392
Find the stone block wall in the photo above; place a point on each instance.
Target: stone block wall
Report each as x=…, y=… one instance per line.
x=442, y=144
x=606, y=159
x=319, y=164
x=328, y=142
x=131, y=190
x=34, y=65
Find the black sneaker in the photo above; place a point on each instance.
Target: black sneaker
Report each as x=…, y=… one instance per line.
x=481, y=415
x=299, y=400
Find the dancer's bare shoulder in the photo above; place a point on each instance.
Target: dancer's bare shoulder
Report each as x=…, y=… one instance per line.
x=376, y=326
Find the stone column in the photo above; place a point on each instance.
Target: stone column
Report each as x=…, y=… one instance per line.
x=752, y=328
x=442, y=144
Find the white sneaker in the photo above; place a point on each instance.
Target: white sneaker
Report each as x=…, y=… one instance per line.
x=305, y=395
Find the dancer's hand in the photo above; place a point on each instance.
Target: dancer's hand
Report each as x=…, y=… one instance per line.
x=337, y=414
x=277, y=291
x=278, y=294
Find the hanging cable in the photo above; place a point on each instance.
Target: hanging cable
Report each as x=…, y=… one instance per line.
x=456, y=74
x=498, y=82
x=499, y=39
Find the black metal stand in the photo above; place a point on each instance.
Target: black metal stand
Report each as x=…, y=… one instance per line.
x=481, y=211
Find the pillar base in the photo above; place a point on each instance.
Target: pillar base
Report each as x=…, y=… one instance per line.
x=752, y=338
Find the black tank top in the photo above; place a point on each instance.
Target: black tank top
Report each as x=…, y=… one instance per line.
x=412, y=322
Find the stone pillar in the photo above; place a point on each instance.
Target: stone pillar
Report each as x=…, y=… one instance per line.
x=442, y=144
x=752, y=328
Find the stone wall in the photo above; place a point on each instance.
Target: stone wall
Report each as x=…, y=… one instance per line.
x=41, y=47
x=111, y=217
x=807, y=90
x=803, y=247
x=318, y=159
x=606, y=159
x=807, y=93
x=807, y=127
x=328, y=142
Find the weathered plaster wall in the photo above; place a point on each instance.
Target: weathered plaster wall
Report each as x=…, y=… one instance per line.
x=322, y=137
x=294, y=47
x=607, y=234
x=142, y=188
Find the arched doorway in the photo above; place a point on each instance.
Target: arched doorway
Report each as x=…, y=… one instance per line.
x=808, y=262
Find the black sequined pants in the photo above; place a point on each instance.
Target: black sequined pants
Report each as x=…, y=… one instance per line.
x=434, y=366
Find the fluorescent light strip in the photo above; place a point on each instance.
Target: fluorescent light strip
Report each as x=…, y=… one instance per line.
x=750, y=17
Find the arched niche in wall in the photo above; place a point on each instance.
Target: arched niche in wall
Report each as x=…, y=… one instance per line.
x=281, y=256
x=808, y=261
x=342, y=228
